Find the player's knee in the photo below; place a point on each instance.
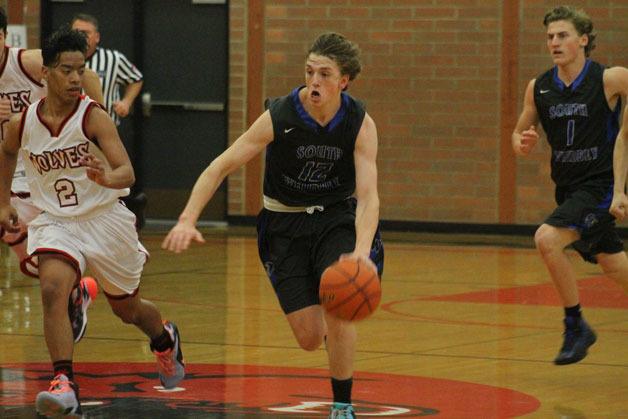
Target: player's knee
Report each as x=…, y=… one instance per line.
x=52, y=294
x=311, y=340
x=544, y=240
x=614, y=266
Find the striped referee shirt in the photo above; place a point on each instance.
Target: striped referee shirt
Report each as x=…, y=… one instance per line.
x=115, y=71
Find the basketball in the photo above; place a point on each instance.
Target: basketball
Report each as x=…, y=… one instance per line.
x=350, y=290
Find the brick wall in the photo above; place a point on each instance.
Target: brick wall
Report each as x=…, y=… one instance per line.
x=610, y=18
x=431, y=81
x=237, y=97
x=30, y=17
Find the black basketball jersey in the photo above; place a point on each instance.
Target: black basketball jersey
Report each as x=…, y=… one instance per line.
x=307, y=164
x=580, y=126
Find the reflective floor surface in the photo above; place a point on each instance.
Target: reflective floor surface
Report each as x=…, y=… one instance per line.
x=467, y=328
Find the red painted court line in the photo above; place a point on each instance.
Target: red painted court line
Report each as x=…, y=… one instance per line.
x=597, y=292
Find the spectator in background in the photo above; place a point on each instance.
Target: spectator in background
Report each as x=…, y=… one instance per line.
x=115, y=72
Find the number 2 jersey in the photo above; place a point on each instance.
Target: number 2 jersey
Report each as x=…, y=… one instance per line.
x=580, y=126
x=58, y=183
x=307, y=164
x=21, y=90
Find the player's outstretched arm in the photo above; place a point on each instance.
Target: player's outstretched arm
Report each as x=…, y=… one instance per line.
x=525, y=137
x=251, y=143
x=117, y=172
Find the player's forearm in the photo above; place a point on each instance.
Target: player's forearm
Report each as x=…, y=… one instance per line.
x=366, y=220
x=204, y=189
x=131, y=91
x=121, y=177
x=620, y=158
x=7, y=168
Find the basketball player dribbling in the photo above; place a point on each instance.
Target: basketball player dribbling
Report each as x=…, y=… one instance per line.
x=320, y=199
x=77, y=169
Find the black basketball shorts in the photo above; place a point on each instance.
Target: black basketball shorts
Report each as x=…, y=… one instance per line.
x=295, y=249
x=585, y=209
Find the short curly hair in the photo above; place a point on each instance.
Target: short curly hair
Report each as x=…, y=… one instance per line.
x=63, y=40
x=580, y=20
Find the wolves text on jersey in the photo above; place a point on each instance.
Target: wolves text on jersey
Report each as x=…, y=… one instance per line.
x=568, y=109
x=60, y=158
x=19, y=100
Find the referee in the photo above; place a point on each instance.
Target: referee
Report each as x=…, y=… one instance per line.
x=116, y=73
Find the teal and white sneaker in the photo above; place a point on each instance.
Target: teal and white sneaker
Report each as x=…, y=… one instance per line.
x=170, y=362
x=61, y=399
x=341, y=411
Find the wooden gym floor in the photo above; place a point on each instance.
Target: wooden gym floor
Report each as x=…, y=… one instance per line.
x=467, y=328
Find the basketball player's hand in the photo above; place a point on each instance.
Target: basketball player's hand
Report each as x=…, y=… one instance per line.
x=8, y=219
x=619, y=206
x=121, y=108
x=360, y=257
x=179, y=238
x=95, y=169
x=5, y=109
x=529, y=138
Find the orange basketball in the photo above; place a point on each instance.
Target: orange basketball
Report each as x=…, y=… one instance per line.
x=350, y=290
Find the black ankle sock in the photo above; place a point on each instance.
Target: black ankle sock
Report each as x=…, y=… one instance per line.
x=342, y=390
x=162, y=342
x=573, y=311
x=63, y=367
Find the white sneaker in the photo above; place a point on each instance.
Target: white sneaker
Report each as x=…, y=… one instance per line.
x=61, y=399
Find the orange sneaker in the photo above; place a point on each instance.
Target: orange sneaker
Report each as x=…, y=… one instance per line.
x=81, y=297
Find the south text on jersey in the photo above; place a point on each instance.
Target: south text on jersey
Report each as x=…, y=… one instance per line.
x=568, y=109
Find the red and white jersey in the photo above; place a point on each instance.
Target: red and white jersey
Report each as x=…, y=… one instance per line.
x=21, y=90
x=58, y=183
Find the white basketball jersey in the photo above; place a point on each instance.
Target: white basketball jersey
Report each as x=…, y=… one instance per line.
x=21, y=90
x=58, y=183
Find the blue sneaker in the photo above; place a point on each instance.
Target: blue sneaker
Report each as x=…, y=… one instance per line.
x=81, y=297
x=578, y=337
x=341, y=411
x=170, y=362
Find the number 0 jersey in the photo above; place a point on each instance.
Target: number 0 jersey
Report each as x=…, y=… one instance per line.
x=17, y=86
x=580, y=126
x=58, y=183
x=307, y=164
